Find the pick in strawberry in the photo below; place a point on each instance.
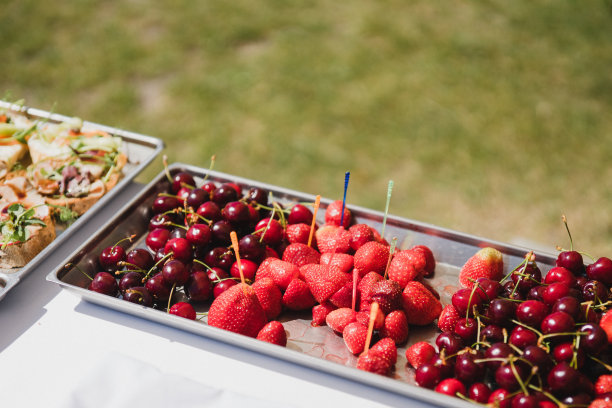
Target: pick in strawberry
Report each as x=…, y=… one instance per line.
x=298, y=233
x=333, y=214
x=388, y=295
x=274, y=333
x=486, y=263
x=420, y=305
x=238, y=310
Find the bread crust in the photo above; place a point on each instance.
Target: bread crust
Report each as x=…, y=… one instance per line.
x=18, y=254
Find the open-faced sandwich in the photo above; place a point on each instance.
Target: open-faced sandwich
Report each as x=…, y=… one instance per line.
x=26, y=225
x=74, y=168
x=15, y=129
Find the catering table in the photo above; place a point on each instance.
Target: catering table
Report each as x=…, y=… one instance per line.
x=59, y=351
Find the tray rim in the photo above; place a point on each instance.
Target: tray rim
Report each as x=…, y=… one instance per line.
x=156, y=145
x=384, y=383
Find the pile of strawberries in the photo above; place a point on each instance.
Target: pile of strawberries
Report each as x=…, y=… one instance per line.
x=251, y=259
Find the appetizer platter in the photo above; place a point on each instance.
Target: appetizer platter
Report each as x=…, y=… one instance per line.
x=385, y=301
x=55, y=172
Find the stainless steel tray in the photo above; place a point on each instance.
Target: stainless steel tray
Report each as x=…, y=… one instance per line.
x=314, y=347
x=140, y=149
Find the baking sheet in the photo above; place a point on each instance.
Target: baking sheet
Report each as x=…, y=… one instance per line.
x=140, y=150
x=315, y=347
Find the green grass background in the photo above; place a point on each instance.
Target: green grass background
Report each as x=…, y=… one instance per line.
x=492, y=117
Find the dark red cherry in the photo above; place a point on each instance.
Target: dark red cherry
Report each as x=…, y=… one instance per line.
x=527, y=276
x=272, y=231
x=451, y=386
x=300, y=214
x=595, y=341
x=535, y=293
x=163, y=203
x=104, y=283
x=236, y=212
x=560, y=274
x=466, y=329
x=571, y=260
x=162, y=221
x=479, y=392
x=158, y=287
x=183, y=193
x=500, y=398
x=198, y=234
x=538, y=357
x=563, y=379
x=428, y=375
x=505, y=377
x=252, y=248
x=258, y=195
x=569, y=305
x=139, y=257
x=511, y=291
x=209, y=186
x=595, y=291
x=139, y=295
x=221, y=231
x=449, y=342
x=496, y=351
x=210, y=211
x=216, y=274
x=557, y=322
x=183, y=309
x=554, y=292
x=565, y=352
x=175, y=272
x=490, y=287
x=467, y=370
x=465, y=300
x=178, y=233
x=219, y=257
x=157, y=238
x=492, y=333
x=601, y=271
x=130, y=280
x=522, y=337
x=110, y=257
x=180, y=180
x=525, y=401
x=224, y=194
x=248, y=269
x=502, y=311
x=223, y=286
x=197, y=197
x=531, y=312
x=199, y=288
x=180, y=248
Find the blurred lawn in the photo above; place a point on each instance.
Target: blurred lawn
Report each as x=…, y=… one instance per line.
x=491, y=117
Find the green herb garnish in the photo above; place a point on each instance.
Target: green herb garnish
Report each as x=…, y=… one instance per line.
x=14, y=228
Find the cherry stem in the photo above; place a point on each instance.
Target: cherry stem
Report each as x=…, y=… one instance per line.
x=527, y=327
x=136, y=268
x=130, y=238
x=528, y=257
x=212, y=164
x=391, y=252
x=314, y=220
x=564, y=219
x=518, y=377
x=607, y=366
x=165, y=162
x=169, y=254
x=267, y=226
x=170, y=297
x=347, y=175
x=70, y=265
x=176, y=225
x=549, y=395
x=204, y=265
x=389, y=189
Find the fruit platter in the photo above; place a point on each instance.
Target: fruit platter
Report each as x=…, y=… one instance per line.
x=437, y=316
x=55, y=173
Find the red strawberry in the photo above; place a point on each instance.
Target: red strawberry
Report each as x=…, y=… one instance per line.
x=448, y=318
x=344, y=296
x=420, y=353
x=333, y=213
x=324, y=280
x=269, y=297
x=430, y=261
x=388, y=295
x=429, y=288
x=298, y=296
x=338, y=319
x=342, y=261
x=238, y=310
x=331, y=238
x=320, y=312
x=486, y=263
x=606, y=324
x=387, y=349
x=600, y=403
x=372, y=256
x=274, y=333
x=374, y=363
x=298, y=233
x=301, y=254
x=396, y=327
x=363, y=317
x=354, y=335
x=281, y=272
x=603, y=384
x=365, y=287
x=360, y=234
x=420, y=305
x=401, y=269
x=416, y=258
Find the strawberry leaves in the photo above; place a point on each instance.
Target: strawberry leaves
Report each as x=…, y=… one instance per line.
x=14, y=229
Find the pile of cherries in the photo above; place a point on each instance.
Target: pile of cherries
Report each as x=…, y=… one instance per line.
x=527, y=341
x=188, y=245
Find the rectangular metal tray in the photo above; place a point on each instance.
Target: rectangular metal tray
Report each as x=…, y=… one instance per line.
x=314, y=347
x=140, y=149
